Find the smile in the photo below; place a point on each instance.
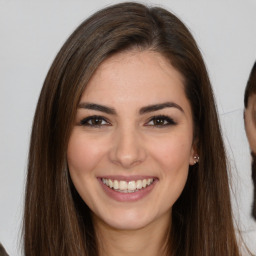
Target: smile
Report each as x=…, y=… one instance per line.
x=123, y=186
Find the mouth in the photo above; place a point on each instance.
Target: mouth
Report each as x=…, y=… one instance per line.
x=131, y=186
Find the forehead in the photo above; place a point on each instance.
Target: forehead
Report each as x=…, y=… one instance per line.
x=141, y=73
x=252, y=99
x=251, y=105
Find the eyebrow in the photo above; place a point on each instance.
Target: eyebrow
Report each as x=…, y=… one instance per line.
x=97, y=107
x=156, y=107
x=143, y=110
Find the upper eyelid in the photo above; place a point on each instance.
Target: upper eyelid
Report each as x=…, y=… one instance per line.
x=88, y=118
x=160, y=116
x=168, y=118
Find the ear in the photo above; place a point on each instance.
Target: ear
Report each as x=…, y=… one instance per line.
x=194, y=157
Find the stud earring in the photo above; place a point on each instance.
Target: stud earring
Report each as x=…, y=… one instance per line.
x=196, y=159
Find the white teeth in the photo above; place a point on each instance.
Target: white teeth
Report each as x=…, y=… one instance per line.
x=131, y=185
x=139, y=184
x=116, y=184
x=123, y=185
x=127, y=187
x=144, y=183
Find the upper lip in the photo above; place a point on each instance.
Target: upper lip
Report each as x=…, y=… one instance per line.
x=127, y=178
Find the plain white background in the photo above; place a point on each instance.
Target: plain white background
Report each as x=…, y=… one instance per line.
x=31, y=33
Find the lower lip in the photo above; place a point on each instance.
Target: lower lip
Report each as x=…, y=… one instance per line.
x=128, y=197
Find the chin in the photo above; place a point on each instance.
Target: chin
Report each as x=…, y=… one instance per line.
x=127, y=225
x=127, y=220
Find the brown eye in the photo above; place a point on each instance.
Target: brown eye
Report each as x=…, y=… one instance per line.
x=160, y=121
x=94, y=121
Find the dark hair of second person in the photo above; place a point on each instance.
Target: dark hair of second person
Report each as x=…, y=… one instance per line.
x=250, y=126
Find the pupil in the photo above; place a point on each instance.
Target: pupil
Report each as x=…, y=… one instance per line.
x=158, y=121
x=97, y=121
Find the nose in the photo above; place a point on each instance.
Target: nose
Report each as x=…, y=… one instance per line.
x=127, y=149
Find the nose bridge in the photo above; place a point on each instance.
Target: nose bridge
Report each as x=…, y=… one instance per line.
x=128, y=149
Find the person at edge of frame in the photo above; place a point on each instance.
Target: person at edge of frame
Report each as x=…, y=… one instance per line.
x=250, y=126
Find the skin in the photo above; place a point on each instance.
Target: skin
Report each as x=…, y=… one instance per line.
x=250, y=122
x=129, y=143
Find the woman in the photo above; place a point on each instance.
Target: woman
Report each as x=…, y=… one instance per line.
x=250, y=125
x=124, y=114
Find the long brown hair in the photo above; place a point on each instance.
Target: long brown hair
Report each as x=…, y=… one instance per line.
x=56, y=220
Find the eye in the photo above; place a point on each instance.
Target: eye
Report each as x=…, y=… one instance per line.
x=160, y=121
x=94, y=121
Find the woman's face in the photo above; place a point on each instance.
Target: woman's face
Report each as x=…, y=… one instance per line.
x=250, y=122
x=131, y=145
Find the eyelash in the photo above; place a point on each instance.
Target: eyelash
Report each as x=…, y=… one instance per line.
x=166, y=121
x=86, y=121
x=162, y=120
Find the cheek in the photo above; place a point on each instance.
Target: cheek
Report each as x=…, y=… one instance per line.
x=250, y=130
x=173, y=153
x=82, y=154
x=173, y=158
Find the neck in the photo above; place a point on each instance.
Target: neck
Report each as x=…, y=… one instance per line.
x=150, y=240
